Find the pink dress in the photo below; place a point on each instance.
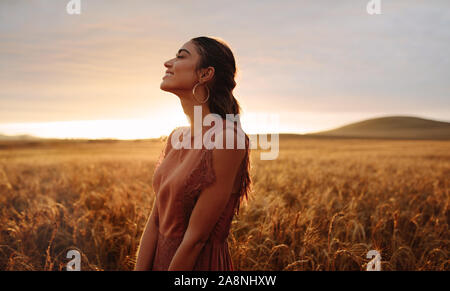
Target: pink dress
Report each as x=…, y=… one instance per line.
x=180, y=176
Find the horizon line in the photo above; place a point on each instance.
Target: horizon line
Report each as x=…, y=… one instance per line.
x=29, y=134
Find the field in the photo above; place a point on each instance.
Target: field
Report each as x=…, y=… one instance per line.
x=322, y=205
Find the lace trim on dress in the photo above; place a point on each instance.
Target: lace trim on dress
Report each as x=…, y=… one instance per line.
x=201, y=177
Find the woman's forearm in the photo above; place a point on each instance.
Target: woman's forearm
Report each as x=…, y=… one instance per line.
x=147, y=247
x=186, y=256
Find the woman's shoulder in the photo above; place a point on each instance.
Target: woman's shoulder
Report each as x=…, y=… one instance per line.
x=168, y=140
x=176, y=133
x=179, y=129
x=234, y=144
x=234, y=135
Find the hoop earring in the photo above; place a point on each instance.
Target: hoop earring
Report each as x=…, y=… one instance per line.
x=193, y=93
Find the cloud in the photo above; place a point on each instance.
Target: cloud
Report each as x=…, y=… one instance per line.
x=322, y=56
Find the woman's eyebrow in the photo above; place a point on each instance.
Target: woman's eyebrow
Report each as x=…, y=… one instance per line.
x=180, y=50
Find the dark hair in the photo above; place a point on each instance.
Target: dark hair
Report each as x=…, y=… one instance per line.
x=216, y=53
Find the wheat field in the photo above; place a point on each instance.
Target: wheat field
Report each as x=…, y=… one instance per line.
x=322, y=205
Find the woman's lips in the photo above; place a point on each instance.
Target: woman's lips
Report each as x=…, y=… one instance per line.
x=167, y=75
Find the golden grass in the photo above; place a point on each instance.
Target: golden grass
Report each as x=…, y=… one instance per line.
x=322, y=205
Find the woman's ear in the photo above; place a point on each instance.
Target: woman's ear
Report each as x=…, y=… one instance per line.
x=207, y=74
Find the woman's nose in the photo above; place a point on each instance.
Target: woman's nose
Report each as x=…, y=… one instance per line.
x=168, y=63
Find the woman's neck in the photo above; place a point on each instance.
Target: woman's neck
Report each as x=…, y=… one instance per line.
x=193, y=116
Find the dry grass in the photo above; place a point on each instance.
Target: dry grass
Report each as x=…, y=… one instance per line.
x=322, y=205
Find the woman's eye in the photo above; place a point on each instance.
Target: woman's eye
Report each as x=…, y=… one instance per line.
x=179, y=57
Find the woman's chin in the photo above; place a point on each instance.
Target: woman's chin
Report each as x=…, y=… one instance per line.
x=164, y=87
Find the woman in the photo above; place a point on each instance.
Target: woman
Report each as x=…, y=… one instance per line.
x=198, y=190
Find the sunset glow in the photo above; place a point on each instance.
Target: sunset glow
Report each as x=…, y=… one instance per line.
x=317, y=66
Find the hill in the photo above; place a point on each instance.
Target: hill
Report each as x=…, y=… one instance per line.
x=402, y=127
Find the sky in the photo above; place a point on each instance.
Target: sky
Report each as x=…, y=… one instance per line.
x=308, y=65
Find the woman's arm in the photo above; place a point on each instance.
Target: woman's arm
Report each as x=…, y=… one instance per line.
x=149, y=239
x=147, y=246
x=210, y=205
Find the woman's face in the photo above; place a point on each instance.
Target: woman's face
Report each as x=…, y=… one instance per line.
x=180, y=74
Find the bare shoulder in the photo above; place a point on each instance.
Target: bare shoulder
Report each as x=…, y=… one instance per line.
x=228, y=155
x=226, y=164
x=228, y=159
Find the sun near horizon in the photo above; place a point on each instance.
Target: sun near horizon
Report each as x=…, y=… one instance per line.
x=98, y=74
x=148, y=128
x=129, y=129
